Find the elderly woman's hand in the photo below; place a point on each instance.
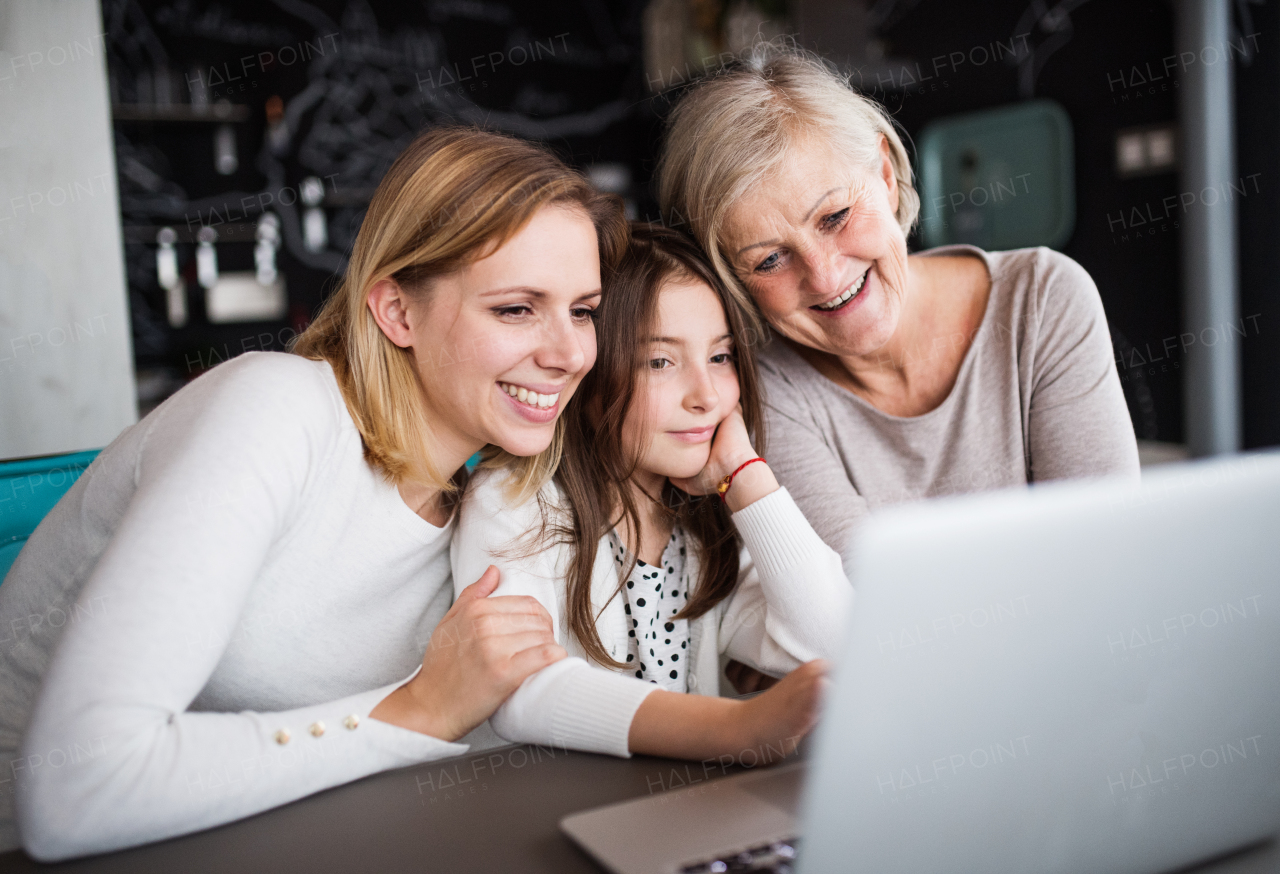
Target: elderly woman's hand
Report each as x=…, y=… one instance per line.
x=730, y=449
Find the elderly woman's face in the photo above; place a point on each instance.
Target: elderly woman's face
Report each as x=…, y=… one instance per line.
x=820, y=249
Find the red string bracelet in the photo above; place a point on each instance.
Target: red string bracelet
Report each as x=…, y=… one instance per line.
x=723, y=487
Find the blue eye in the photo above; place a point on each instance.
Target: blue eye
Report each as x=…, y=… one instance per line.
x=835, y=219
x=722, y=358
x=768, y=264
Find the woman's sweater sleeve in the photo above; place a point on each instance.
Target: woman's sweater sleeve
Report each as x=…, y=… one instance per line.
x=1078, y=424
x=570, y=704
x=793, y=598
x=219, y=477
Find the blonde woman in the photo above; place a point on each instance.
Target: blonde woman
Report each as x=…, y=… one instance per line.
x=892, y=377
x=266, y=555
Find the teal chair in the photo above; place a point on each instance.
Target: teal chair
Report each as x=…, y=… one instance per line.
x=28, y=490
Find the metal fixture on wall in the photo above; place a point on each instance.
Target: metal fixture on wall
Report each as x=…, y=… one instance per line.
x=1210, y=294
x=206, y=257
x=264, y=250
x=175, y=292
x=225, y=159
x=315, y=228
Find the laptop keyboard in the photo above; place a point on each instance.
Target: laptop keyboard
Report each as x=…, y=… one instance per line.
x=778, y=857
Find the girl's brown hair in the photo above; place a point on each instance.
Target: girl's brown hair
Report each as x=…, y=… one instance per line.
x=596, y=463
x=455, y=195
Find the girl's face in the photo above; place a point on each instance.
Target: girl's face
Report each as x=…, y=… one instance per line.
x=502, y=344
x=687, y=385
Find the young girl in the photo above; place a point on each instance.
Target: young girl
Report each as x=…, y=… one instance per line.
x=636, y=547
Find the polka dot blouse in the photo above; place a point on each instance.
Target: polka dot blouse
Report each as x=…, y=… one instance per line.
x=657, y=643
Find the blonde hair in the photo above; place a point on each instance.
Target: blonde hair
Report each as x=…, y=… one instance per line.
x=453, y=196
x=733, y=129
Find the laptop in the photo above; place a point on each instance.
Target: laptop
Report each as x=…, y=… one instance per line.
x=1073, y=677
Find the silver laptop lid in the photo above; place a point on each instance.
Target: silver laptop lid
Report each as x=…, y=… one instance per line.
x=1078, y=677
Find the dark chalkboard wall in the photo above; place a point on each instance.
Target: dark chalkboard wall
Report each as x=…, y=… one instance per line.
x=357, y=79
x=348, y=84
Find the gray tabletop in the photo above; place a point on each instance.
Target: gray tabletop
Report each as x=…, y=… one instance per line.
x=497, y=810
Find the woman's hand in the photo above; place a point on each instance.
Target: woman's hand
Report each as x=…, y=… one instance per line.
x=706, y=727
x=480, y=652
x=731, y=448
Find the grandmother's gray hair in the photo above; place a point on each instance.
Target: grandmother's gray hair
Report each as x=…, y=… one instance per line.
x=732, y=129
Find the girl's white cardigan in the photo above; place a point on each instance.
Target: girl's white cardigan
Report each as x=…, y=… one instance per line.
x=789, y=607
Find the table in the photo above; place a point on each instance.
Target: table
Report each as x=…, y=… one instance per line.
x=492, y=811
x=495, y=810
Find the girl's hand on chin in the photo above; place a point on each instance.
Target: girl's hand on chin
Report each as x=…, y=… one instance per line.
x=729, y=448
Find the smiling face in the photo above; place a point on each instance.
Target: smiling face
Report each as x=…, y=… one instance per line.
x=820, y=249
x=687, y=385
x=501, y=344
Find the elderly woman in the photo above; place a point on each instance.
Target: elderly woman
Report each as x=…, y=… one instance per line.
x=895, y=376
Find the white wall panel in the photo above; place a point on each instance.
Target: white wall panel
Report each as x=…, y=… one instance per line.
x=66, y=361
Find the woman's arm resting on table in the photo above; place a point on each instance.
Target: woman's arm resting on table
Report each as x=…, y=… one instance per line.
x=176, y=576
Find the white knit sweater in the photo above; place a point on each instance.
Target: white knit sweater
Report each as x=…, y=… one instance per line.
x=227, y=569
x=789, y=607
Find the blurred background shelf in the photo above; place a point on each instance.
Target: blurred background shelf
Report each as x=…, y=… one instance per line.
x=217, y=112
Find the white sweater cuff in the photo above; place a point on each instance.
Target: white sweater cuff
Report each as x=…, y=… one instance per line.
x=398, y=746
x=574, y=705
x=776, y=533
x=221, y=767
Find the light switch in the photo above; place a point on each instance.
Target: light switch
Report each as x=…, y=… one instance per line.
x=1131, y=153
x=1146, y=150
